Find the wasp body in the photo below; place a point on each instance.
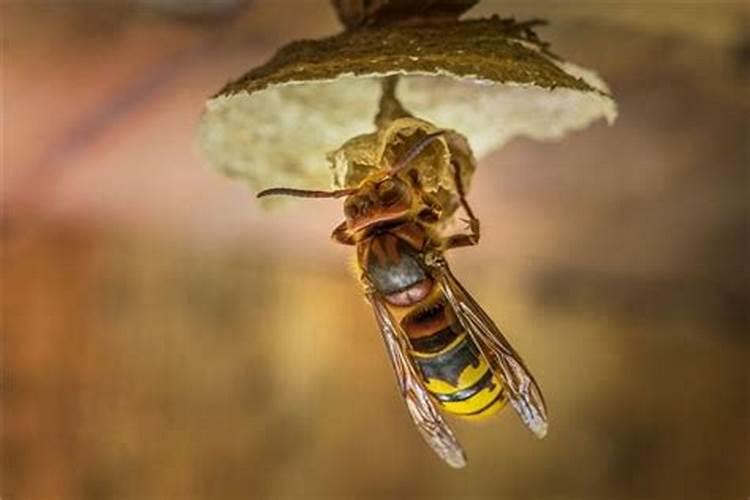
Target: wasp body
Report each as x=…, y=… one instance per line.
x=445, y=350
x=453, y=371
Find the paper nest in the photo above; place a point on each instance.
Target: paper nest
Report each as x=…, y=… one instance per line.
x=282, y=123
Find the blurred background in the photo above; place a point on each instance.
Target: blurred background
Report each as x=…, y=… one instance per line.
x=164, y=338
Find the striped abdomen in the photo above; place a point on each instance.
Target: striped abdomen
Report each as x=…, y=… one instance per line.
x=453, y=370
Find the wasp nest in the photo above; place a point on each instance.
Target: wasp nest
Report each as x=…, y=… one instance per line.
x=490, y=79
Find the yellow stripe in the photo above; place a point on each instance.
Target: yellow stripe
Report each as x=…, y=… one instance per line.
x=488, y=412
x=475, y=402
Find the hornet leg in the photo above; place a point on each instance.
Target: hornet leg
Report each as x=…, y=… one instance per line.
x=472, y=238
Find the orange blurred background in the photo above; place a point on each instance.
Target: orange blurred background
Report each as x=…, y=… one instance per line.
x=164, y=337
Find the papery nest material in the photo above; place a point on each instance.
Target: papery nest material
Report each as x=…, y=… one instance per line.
x=489, y=79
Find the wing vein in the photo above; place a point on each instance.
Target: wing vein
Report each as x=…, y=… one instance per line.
x=524, y=393
x=422, y=409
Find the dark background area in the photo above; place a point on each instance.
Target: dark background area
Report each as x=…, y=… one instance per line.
x=164, y=337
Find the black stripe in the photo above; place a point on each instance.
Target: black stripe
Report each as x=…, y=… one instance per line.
x=449, y=365
x=435, y=342
x=500, y=395
x=464, y=394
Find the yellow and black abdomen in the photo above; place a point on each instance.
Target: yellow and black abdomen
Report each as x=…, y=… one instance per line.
x=453, y=370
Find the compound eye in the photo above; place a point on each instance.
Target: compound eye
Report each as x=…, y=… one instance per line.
x=389, y=191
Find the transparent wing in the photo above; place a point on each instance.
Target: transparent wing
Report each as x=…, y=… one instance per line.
x=525, y=395
x=423, y=411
